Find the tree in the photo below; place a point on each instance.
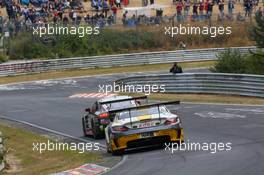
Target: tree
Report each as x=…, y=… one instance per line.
x=230, y=61
x=258, y=30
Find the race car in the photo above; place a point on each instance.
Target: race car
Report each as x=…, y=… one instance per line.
x=134, y=127
x=97, y=117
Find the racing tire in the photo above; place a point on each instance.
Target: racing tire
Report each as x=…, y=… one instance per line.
x=83, y=125
x=114, y=153
x=108, y=148
x=118, y=152
x=96, y=131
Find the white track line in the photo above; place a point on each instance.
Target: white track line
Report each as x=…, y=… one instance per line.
x=103, y=147
x=89, y=95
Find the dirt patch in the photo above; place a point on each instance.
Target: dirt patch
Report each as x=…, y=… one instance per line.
x=13, y=164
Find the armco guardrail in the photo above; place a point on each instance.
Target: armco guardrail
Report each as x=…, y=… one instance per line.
x=206, y=83
x=2, y=165
x=114, y=60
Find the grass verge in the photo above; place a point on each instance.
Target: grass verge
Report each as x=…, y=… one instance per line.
x=205, y=98
x=84, y=72
x=24, y=161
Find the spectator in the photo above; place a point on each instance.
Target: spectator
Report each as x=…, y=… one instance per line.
x=179, y=8
x=176, y=69
x=195, y=9
x=114, y=10
x=94, y=4
x=124, y=18
x=201, y=8
x=125, y=2
x=65, y=20
x=159, y=13
x=210, y=9
x=240, y=17
x=187, y=8
x=74, y=17
x=221, y=7
x=231, y=7
x=118, y=3
x=248, y=8
x=144, y=3
x=182, y=45
x=105, y=8
x=111, y=2
x=259, y=11
x=55, y=16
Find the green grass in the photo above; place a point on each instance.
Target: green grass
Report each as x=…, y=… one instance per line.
x=24, y=161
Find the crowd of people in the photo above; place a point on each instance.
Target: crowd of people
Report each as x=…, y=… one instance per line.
x=104, y=12
x=200, y=10
x=203, y=9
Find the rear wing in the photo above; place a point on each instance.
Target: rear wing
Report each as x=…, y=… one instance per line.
x=144, y=107
x=126, y=99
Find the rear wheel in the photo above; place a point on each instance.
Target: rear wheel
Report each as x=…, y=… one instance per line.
x=110, y=150
x=118, y=152
x=108, y=147
x=96, y=131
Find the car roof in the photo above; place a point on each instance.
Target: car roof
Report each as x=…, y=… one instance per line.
x=118, y=97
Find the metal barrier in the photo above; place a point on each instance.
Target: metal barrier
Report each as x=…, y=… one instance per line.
x=205, y=83
x=2, y=165
x=114, y=60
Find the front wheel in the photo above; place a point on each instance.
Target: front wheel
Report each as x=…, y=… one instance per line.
x=84, y=128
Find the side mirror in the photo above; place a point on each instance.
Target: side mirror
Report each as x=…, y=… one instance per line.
x=88, y=110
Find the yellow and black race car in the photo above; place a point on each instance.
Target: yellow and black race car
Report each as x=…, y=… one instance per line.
x=146, y=124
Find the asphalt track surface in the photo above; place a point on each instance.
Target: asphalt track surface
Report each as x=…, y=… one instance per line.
x=47, y=104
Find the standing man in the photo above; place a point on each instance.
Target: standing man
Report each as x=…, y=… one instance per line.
x=114, y=10
x=231, y=6
x=105, y=8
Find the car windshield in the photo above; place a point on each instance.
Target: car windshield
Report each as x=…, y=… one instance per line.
x=142, y=112
x=119, y=105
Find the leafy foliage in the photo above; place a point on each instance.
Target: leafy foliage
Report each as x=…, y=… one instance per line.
x=234, y=62
x=3, y=58
x=108, y=42
x=230, y=62
x=111, y=41
x=258, y=30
